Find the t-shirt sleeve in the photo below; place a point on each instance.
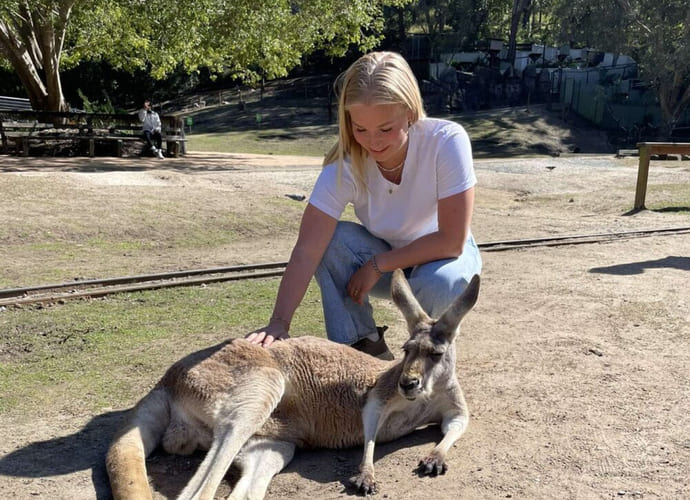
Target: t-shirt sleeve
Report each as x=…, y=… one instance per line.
x=455, y=166
x=330, y=194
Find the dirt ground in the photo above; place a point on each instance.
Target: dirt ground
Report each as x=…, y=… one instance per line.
x=574, y=362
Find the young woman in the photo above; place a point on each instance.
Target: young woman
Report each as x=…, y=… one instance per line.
x=411, y=181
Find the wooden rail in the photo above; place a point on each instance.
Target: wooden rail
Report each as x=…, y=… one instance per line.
x=647, y=149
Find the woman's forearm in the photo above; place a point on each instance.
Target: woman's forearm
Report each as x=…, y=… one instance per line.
x=316, y=230
x=433, y=246
x=294, y=284
x=454, y=217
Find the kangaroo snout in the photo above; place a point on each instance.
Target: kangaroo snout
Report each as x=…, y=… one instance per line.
x=410, y=385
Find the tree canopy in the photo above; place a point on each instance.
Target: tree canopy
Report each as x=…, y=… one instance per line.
x=252, y=40
x=249, y=39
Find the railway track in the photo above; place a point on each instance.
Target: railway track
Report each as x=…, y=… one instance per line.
x=61, y=292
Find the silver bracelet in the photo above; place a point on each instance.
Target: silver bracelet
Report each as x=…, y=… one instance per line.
x=375, y=265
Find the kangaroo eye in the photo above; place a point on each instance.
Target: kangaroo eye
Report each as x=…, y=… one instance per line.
x=436, y=355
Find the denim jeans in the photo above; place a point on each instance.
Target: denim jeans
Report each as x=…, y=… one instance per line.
x=435, y=284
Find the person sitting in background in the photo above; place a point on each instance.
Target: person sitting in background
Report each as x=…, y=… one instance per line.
x=151, y=126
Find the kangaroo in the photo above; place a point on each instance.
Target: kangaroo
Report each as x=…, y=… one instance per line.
x=251, y=406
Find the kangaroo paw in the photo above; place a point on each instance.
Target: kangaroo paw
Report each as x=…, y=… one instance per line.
x=432, y=465
x=364, y=483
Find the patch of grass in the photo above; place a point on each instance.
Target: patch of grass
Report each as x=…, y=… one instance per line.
x=85, y=356
x=124, y=241
x=75, y=352
x=297, y=141
x=668, y=198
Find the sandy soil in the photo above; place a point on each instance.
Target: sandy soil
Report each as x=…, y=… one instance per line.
x=574, y=361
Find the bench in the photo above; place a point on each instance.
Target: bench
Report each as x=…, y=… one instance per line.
x=173, y=137
x=647, y=149
x=24, y=128
x=14, y=103
x=17, y=132
x=22, y=133
x=175, y=140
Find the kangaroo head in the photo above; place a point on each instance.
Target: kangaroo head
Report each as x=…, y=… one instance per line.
x=429, y=352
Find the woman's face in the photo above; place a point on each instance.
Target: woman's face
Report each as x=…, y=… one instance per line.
x=382, y=130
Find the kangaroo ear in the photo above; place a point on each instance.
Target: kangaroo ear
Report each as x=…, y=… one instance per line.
x=447, y=324
x=405, y=300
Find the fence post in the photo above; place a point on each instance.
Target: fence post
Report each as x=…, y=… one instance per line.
x=642, y=175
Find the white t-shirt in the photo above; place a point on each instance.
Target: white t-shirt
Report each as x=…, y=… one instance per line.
x=438, y=165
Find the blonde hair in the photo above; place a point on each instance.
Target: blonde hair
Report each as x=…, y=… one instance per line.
x=374, y=78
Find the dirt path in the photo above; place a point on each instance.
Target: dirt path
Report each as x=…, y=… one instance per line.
x=574, y=362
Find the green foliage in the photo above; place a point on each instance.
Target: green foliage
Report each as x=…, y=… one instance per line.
x=246, y=39
x=90, y=107
x=251, y=40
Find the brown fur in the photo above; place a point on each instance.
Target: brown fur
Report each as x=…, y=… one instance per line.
x=252, y=406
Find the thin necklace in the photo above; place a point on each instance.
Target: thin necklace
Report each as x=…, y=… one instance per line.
x=389, y=170
x=395, y=180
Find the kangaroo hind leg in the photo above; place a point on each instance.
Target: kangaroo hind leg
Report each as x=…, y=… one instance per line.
x=260, y=460
x=239, y=414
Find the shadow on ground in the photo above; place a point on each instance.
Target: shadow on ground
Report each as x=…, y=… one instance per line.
x=83, y=450
x=86, y=449
x=681, y=263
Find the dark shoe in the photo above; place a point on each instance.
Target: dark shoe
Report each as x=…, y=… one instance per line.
x=378, y=348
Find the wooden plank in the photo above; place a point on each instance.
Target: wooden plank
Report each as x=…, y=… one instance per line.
x=665, y=148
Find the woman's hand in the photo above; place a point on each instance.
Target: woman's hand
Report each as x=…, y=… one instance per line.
x=362, y=281
x=267, y=335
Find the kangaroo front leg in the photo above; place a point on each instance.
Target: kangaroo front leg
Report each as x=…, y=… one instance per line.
x=365, y=481
x=453, y=426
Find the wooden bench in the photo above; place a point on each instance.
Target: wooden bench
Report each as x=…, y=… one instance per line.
x=647, y=149
x=175, y=140
x=173, y=137
x=26, y=127
x=22, y=133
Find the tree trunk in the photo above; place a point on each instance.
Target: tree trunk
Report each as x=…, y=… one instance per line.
x=32, y=41
x=24, y=67
x=519, y=8
x=674, y=99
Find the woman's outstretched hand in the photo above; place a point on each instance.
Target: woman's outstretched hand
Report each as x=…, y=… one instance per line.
x=267, y=335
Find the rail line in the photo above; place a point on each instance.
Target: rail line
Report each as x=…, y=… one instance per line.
x=61, y=292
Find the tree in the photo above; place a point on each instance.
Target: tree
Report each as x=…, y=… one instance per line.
x=656, y=33
x=248, y=39
x=32, y=39
x=520, y=11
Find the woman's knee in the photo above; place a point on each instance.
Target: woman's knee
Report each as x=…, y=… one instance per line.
x=437, y=284
x=353, y=240
x=347, y=232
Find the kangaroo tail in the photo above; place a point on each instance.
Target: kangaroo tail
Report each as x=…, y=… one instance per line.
x=136, y=439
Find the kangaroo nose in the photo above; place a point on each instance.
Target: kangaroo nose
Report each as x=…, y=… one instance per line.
x=410, y=384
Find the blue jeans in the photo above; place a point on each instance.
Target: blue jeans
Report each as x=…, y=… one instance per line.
x=435, y=284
